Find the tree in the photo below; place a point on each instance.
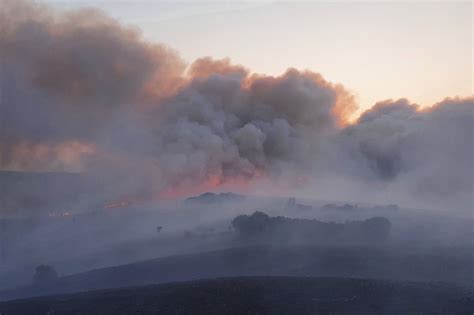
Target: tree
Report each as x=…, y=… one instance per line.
x=251, y=225
x=44, y=274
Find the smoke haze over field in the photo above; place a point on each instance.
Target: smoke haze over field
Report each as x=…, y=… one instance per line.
x=82, y=93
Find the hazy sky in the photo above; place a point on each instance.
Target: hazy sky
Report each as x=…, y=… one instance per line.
x=378, y=50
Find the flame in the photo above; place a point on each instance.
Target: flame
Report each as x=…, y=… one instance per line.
x=59, y=214
x=119, y=204
x=126, y=201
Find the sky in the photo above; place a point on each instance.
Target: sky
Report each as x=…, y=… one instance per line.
x=378, y=50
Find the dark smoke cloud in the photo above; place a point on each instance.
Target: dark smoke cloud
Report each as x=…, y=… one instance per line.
x=82, y=92
x=230, y=124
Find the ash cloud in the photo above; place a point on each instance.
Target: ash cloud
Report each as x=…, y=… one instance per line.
x=423, y=155
x=81, y=92
x=233, y=124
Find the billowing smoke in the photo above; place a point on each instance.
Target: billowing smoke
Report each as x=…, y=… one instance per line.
x=80, y=92
x=230, y=124
x=70, y=75
x=425, y=155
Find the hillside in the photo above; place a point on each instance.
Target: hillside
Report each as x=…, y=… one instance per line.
x=212, y=198
x=358, y=262
x=33, y=192
x=258, y=295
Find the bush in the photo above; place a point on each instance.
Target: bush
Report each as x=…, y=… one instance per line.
x=260, y=225
x=251, y=225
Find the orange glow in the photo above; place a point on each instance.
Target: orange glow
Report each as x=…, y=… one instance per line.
x=65, y=156
x=212, y=183
x=120, y=204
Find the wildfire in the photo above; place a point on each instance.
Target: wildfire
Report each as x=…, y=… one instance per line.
x=59, y=214
x=120, y=204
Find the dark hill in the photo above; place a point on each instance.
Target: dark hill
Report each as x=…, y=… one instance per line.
x=212, y=198
x=258, y=295
x=354, y=261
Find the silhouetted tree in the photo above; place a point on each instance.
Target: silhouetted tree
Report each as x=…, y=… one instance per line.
x=280, y=228
x=251, y=225
x=44, y=274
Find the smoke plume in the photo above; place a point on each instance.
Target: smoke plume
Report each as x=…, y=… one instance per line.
x=80, y=92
